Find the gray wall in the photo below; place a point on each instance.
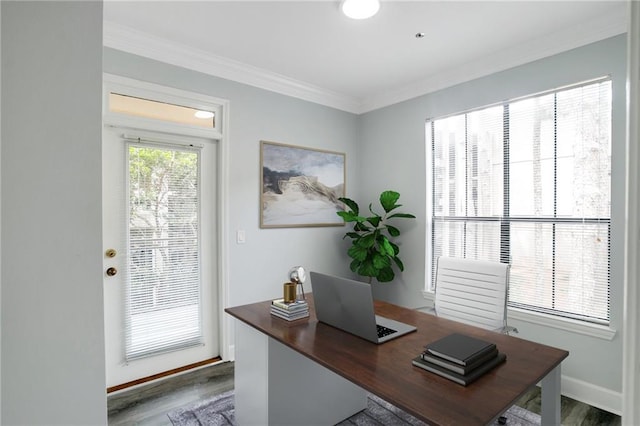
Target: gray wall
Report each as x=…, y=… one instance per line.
x=393, y=141
x=259, y=267
x=52, y=320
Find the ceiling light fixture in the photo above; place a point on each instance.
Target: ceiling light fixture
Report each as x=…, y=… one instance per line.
x=203, y=114
x=360, y=9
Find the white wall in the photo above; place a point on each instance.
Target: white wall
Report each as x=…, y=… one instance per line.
x=393, y=139
x=51, y=314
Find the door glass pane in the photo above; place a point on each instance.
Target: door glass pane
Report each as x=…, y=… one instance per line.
x=163, y=286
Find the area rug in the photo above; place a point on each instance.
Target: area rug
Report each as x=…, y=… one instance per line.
x=219, y=411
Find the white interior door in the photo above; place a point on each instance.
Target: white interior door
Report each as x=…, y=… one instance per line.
x=159, y=228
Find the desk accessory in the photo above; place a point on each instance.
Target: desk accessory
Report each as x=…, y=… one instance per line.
x=289, y=311
x=460, y=348
x=298, y=276
x=457, y=368
x=289, y=290
x=462, y=379
x=459, y=357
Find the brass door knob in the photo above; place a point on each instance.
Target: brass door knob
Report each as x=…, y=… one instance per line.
x=112, y=271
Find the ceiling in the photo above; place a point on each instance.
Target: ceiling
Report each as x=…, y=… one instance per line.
x=309, y=50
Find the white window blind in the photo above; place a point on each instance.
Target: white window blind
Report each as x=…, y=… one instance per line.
x=163, y=282
x=528, y=182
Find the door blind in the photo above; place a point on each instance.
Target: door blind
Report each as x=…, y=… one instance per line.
x=163, y=310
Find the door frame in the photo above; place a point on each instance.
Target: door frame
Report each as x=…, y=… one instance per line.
x=151, y=91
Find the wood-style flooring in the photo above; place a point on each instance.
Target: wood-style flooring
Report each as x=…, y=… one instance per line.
x=148, y=405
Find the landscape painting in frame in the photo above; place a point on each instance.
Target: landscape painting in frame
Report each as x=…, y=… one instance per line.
x=300, y=186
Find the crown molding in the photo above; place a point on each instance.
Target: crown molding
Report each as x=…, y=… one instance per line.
x=132, y=41
x=136, y=42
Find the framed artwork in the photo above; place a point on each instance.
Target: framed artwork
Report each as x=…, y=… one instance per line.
x=300, y=186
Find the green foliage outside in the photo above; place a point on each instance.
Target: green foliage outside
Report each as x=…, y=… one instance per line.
x=163, y=226
x=372, y=250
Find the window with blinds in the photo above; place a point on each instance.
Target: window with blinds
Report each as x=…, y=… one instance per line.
x=163, y=283
x=528, y=182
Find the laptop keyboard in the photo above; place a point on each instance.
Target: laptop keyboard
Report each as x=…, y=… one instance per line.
x=384, y=331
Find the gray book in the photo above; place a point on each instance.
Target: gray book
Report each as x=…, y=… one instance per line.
x=463, y=380
x=460, y=348
x=457, y=368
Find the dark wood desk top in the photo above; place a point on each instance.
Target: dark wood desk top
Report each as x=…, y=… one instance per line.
x=386, y=370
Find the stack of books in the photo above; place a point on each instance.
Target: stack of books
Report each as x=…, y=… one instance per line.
x=460, y=358
x=290, y=311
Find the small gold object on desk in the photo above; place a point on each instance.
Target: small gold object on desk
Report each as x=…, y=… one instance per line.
x=290, y=292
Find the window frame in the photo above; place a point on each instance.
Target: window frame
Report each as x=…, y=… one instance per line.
x=548, y=316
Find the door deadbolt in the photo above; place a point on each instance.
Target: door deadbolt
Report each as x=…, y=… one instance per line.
x=112, y=271
x=110, y=253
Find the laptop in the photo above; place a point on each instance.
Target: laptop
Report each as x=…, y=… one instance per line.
x=348, y=305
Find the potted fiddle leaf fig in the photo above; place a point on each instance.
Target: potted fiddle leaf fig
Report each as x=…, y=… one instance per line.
x=372, y=249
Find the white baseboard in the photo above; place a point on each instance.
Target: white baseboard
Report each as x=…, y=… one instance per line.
x=596, y=396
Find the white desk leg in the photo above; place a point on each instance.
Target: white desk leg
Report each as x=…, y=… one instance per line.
x=551, y=398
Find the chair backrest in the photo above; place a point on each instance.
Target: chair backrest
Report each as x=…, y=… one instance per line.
x=472, y=291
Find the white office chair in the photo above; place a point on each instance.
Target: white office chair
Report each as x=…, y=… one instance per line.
x=473, y=292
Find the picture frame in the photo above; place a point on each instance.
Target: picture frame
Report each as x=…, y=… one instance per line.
x=299, y=186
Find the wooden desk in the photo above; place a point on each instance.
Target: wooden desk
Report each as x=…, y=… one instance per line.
x=384, y=370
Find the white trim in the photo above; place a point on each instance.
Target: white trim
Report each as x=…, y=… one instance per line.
x=224, y=322
x=631, y=342
x=566, y=324
x=596, y=396
x=145, y=90
x=220, y=133
x=133, y=41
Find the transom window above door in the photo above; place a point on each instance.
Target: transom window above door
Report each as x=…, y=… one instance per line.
x=146, y=108
x=140, y=105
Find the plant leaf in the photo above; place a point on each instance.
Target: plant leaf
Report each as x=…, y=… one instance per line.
x=368, y=270
x=351, y=204
x=367, y=241
x=374, y=220
x=361, y=227
x=386, y=245
x=381, y=261
x=399, y=263
x=396, y=249
x=388, y=200
x=407, y=215
x=385, y=275
x=353, y=235
x=393, y=231
x=357, y=252
x=355, y=264
x=350, y=216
